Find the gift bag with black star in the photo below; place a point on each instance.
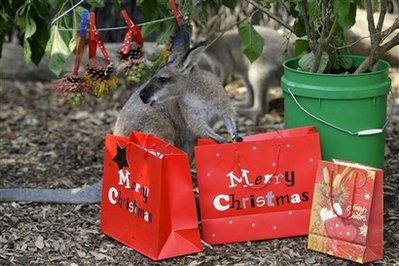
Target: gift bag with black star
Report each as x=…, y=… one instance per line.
x=347, y=211
x=147, y=197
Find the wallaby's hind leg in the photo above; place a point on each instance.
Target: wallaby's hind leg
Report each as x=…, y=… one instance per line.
x=84, y=195
x=258, y=80
x=249, y=101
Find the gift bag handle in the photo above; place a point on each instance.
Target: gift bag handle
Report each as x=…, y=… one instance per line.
x=350, y=212
x=152, y=147
x=237, y=161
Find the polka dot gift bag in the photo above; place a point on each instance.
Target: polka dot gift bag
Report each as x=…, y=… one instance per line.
x=347, y=212
x=257, y=189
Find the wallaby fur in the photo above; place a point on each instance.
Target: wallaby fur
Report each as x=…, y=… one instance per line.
x=258, y=76
x=179, y=104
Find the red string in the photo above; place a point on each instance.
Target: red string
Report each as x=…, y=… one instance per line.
x=175, y=11
x=79, y=52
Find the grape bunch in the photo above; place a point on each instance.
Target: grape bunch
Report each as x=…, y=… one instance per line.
x=75, y=99
x=133, y=64
x=136, y=72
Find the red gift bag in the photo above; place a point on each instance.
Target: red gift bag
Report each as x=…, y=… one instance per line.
x=260, y=188
x=347, y=211
x=147, y=198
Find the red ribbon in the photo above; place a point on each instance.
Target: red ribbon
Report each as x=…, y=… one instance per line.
x=95, y=39
x=176, y=14
x=79, y=53
x=133, y=33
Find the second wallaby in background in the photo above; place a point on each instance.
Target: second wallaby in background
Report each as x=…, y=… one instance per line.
x=179, y=104
x=226, y=57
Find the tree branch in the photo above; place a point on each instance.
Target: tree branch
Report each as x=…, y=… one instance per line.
x=388, y=31
x=271, y=15
x=376, y=54
x=370, y=19
x=308, y=28
x=383, y=11
x=320, y=45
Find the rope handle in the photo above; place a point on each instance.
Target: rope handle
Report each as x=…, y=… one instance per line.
x=175, y=12
x=133, y=33
x=237, y=159
x=95, y=39
x=152, y=147
x=81, y=40
x=366, y=132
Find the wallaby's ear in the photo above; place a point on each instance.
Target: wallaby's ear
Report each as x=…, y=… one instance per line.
x=192, y=57
x=180, y=46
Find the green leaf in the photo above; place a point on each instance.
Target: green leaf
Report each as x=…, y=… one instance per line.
x=308, y=60
x=27, y=51
x=229, y=3
x=349, y=19
x=301, y=46
x=30, y=28
x=57, y=50
x=96, y=3
x=341, y=8
x=251, y=42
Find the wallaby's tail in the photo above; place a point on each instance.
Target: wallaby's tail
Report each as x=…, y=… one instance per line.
x=84, y=195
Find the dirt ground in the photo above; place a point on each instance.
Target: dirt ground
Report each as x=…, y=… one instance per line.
x=43, y=143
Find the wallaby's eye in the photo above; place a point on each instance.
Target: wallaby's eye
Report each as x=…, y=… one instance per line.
x=163, y=80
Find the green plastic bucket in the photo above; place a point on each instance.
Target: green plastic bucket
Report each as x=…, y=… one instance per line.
x=349, y=111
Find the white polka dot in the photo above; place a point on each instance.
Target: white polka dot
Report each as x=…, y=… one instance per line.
x=230, y=222
x=274, y=164
x=253, y=224
x=336, y=225
x=311, y=160
x=213, y=235
x=217, y=154
x=290, y=213
x=254, y=147
x=288, y=145
x=348, y=234
x=274, y=227
x=208, y=174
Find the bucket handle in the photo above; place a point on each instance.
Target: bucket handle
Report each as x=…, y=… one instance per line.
x=366, y=132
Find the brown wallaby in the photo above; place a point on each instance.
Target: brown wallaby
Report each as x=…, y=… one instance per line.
x=258, y=76
x=179, y=104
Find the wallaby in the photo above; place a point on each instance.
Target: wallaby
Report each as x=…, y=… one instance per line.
x=179, y=104
x=258, y=76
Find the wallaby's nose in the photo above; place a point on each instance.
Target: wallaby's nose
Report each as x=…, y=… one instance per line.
x=144, y=96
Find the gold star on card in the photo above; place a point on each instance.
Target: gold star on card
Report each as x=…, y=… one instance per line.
x=367, y=196
x=363, y=230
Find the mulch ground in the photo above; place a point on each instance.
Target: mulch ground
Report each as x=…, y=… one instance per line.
x=43, y=143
